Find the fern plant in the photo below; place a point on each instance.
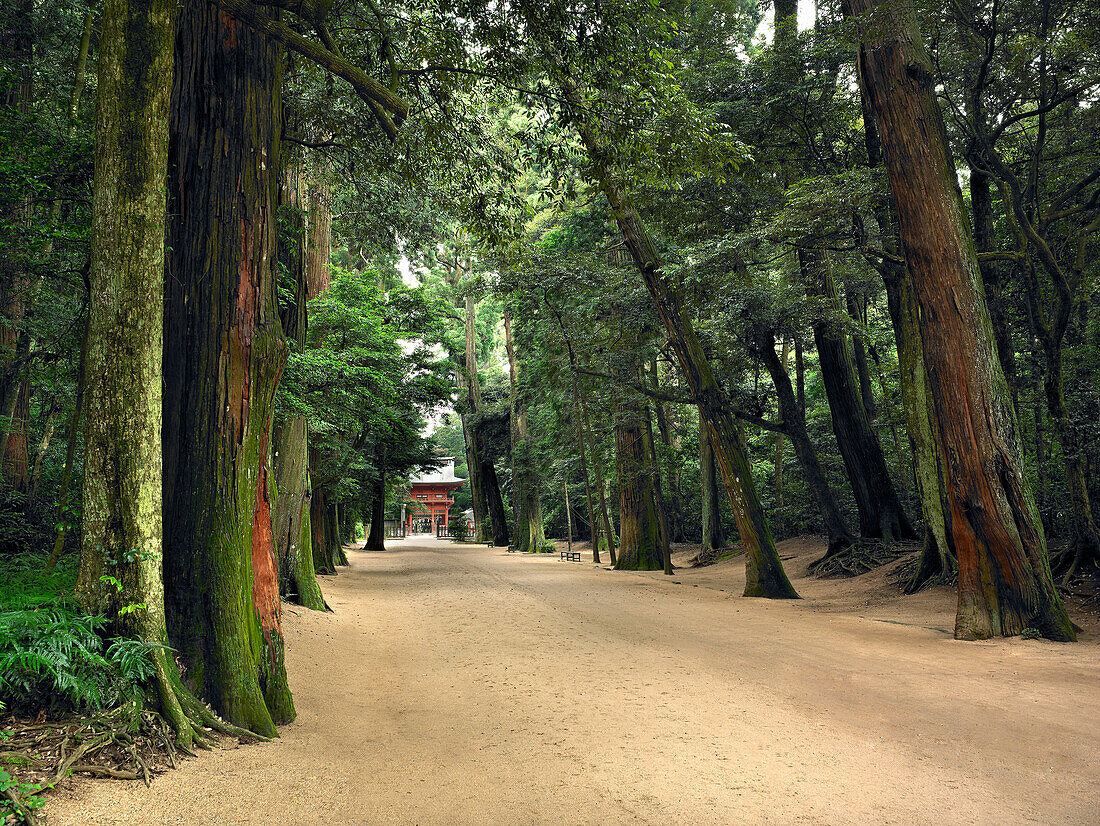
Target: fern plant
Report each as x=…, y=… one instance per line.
x=56, y=656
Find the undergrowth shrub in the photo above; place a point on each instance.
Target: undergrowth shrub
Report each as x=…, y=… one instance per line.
x=53, y=657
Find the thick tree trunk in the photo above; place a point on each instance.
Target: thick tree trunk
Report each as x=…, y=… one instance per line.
x=881, y=515
x=813, y=474
x=713, y=535
x=937, y=559
x=122, y=528
x=639, y=529
x=223, y=354
x=1005, y=583
x=764, y=574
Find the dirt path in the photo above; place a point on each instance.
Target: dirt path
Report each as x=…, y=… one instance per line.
x=469, y=686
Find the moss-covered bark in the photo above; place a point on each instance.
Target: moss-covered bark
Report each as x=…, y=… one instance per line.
x=712, y=534
x=297, y=578
x=639, y=528
x=223, y=353
x=122, y=527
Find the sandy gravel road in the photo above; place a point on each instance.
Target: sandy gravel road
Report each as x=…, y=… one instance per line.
x=469, y=686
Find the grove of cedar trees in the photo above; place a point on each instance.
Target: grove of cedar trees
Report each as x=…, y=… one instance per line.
x=726, y=272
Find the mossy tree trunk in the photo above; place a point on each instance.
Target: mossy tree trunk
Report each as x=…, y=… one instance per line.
x=712, y=534
x=639, y=527
x=994, y=530
x=297, y=577
x=122, y=527
x=223, y=354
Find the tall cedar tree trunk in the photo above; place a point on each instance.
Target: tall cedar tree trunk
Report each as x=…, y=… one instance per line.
x=376, y=539
x=639, y=529
x=836, y=529
x=713, y=536
x=937, y=559
x=764, y=574
x=1005, y=583
x=290, y=522
x=223, y=354
x=881, y=515
x=530, y=531
x=121, y=530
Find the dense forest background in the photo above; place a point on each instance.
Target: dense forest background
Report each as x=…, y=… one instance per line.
x=662, y=255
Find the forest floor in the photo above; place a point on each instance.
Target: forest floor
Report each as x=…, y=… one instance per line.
x=464, y=685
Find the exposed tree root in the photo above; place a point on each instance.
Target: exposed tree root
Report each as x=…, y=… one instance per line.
x=911, y=576
x=712, y=555
x=858, y=558
x=131, y=742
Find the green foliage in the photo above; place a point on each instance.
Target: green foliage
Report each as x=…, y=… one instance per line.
x=57, y=657
x=26, y=792
x=459, y=530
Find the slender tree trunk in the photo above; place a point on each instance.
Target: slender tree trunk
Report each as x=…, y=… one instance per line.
x=1005, y=583
x=319, y=540
x=376, y=539
x=777, y=438
x=881, y=515
x=1085, y=542
x=654, y=471
x=530, y=532
x=583, y=449
x=675, y=502
x=764, y=574
x=817, y=482
x=468, y=380
x=223, y=354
